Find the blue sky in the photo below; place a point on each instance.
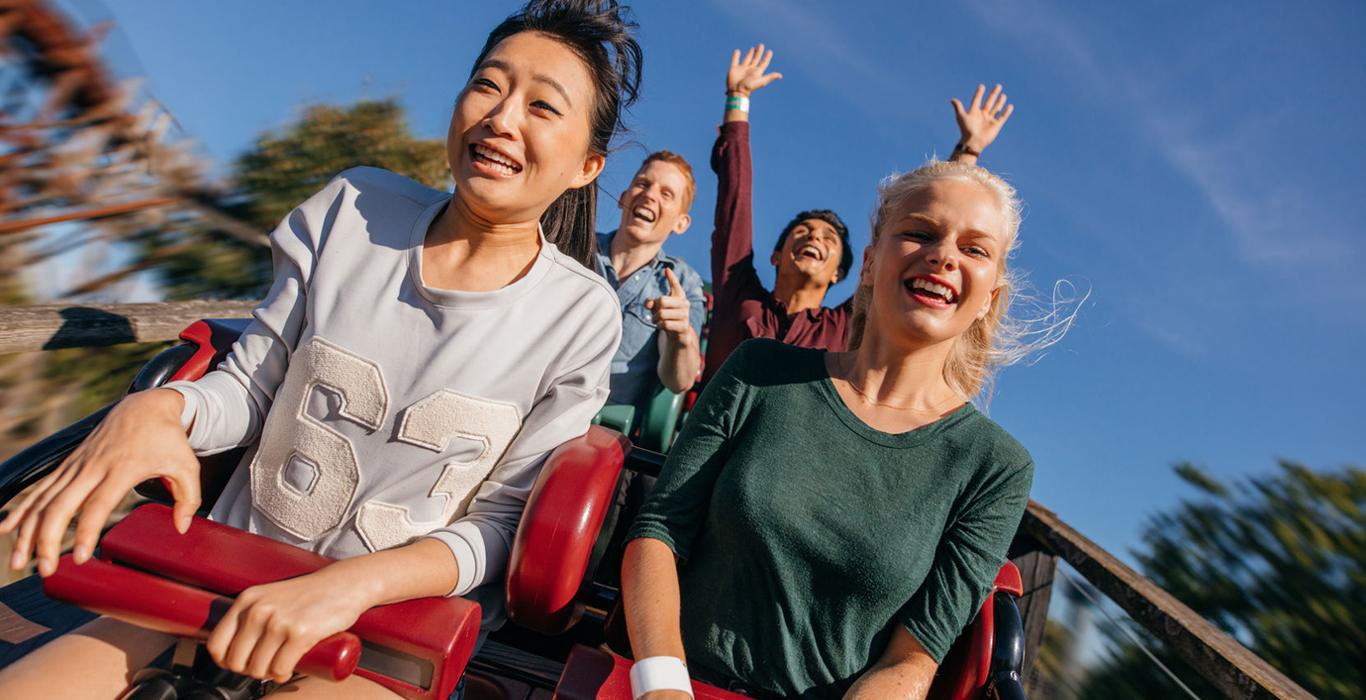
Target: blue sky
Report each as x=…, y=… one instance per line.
x=1194, y=166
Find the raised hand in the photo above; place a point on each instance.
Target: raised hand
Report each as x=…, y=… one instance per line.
x=671, y=310
x=140, y=439
x=981, y=122
x=746, y=76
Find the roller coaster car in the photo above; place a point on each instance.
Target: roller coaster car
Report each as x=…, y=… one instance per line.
x=149, y=575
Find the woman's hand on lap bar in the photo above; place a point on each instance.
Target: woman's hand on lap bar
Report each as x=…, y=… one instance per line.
x=140, y=439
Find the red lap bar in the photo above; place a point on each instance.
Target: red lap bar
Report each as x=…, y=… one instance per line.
x=417, y=648
x=174, y=608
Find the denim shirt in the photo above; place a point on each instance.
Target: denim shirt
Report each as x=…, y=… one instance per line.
x=635, y=373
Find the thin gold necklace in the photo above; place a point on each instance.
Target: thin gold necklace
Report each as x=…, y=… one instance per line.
x=857, y=390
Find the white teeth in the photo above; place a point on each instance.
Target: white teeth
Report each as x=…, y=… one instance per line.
x=934, y=288
x=644, y=213
x=496, y=160
x=811, y=249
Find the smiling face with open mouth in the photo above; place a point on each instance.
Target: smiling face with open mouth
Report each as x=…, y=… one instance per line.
x=520, y=131
x=935, y=267
x=653, y=206
x=811, y=250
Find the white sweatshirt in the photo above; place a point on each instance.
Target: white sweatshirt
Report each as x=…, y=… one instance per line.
x=394, y=410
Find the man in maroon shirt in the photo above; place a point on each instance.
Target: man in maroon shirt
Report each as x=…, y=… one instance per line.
x=813, y=251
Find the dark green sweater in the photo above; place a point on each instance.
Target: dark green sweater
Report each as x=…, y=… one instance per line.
x=806, y=534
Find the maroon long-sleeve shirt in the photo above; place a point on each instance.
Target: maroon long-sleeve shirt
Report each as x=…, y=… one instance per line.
x=742, y=307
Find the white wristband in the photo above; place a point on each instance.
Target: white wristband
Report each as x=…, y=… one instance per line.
x=659, y=673
x=739, y=102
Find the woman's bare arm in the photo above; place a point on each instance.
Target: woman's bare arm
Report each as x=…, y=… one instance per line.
x=649, y=591
x=904, y=672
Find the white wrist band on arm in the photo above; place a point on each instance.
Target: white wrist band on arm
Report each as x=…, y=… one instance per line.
x=659, y=673
x=738, y=102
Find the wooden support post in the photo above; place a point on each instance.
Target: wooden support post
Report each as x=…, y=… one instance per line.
x=1037, y=566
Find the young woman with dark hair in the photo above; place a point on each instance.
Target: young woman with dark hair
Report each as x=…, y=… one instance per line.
x=600, y=39
x=418, y=356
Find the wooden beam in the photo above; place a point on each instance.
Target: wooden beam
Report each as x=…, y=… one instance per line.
x=1037, y=567
x=1231, y=667
x=54, y=326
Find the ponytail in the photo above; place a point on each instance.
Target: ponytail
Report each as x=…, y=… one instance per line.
x=570, y=223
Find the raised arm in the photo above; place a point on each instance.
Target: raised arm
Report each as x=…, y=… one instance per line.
x=980, y=123
x=734, y=278
x=732, y=242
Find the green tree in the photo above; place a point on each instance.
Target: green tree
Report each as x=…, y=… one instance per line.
x=1278, y=562
x=281, y=170
x=1129, y=674
x=285, y=168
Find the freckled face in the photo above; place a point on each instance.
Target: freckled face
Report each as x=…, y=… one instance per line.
x=652, y=207
x=934, y=269
x=520, y=132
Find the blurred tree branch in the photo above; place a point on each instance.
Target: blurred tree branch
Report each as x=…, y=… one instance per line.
x=1278, y=562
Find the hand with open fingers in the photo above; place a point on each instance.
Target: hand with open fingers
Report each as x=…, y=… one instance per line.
x=747, y=75
x=982, y=121
x=270, y=627
x=671, y=310
x=141, y=438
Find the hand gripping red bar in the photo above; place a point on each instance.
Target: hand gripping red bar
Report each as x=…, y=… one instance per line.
x=417, y=648
x=174, y=608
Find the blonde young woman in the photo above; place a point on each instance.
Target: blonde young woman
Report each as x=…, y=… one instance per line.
x=419, y=354
x=829, y=521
